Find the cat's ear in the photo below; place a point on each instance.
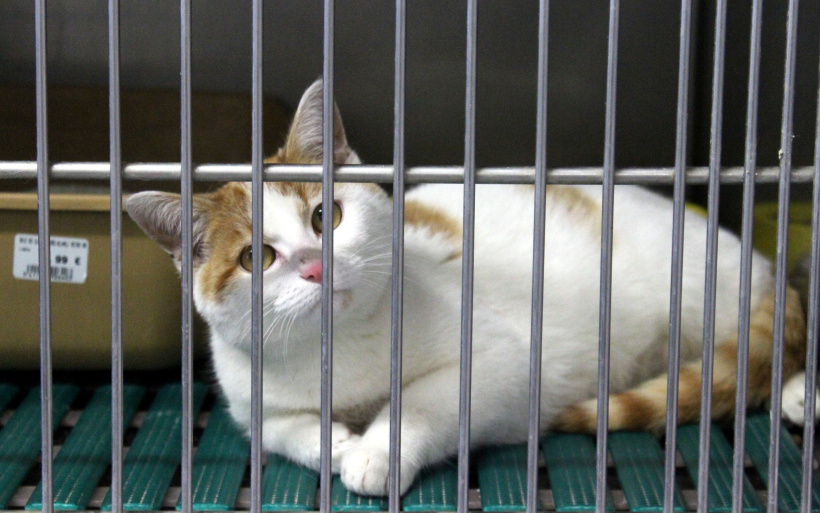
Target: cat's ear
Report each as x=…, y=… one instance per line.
x=304, y=142
x=159, y=214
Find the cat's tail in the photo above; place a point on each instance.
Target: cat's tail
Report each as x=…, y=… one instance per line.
x=644, y=407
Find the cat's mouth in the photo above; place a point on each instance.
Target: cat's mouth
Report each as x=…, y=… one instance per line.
x=342, y=299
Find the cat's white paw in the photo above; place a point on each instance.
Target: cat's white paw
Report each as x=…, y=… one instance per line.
x=794, y=399
x=365, y=470
x=341, y=441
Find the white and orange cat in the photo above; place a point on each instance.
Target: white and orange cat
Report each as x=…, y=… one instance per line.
x=432, y=299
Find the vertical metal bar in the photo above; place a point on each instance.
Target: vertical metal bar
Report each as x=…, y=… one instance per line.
x=44, y=250
x=115, y=158
x=394, y=477
x=257, y=218
x=744, y=316
x=467, y=264
x=813, y=324
x=676, y=284
x=327, y=255
x=539, y=231
x=710, y=286
x=186, y=184
x=781, y=263
x=605, y=307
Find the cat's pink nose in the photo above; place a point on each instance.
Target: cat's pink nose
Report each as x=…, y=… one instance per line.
x=312, y=271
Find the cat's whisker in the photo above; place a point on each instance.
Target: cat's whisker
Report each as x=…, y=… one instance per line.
x=379, y=261
x=267, y=307
x=359, y=251
x=268, y=332
x=286, y=344
x=407, y=277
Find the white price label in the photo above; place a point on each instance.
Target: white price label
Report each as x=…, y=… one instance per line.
x=69, y=258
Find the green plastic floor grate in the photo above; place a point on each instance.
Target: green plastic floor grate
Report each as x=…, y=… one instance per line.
x=287, y=486
x=7, y=393
x=154, y=455
x=153, y=445
x=502, y=478
x=758, y=430
x=219, y=464
x=571, y=466
x=435, y=489
x=639, y=462
x=720, y=469
x=343, y=500
x=86, y=453
x=20, y=437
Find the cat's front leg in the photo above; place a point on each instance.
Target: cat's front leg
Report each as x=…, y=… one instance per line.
x=429, y=433
x=298, y=437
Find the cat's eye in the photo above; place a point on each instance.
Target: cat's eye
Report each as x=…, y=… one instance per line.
x=246, y=257
x=318, y=213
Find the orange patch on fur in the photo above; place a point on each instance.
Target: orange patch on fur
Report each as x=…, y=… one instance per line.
x=302, y=190
x=632, y=410
x=574, y=200
x=433, y=220
x=761, y=342
x=578, y=207
x=576, y=419
x=689, y=393
x=644, y=407
x=436, y=222
x=229, y=226
x=290, y=154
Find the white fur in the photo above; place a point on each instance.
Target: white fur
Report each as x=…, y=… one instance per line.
x=503, y=260
x=794, y=399
x=432, y=304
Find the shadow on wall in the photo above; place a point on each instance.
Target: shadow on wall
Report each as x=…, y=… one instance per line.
x=507, y=60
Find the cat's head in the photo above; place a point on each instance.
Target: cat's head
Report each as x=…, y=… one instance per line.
x=292, y=238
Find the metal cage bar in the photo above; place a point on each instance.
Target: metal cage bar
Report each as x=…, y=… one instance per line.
x=710, y=286
x=257, y=231
x=468, y=246
x=538, y=242
x=258, y=173
x=397, y=277
x=675, y=292
x=782, y=253
x=44, y=262
x=744, y=315
x=813, y=318
x=117, y=433
x=186, y=185
x=607, y=214
x=384, y=174
x=327, y=256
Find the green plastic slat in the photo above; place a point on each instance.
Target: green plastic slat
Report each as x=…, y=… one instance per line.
x=219, y=464
x=720, y=469
x=790, y=481
x=7, y=393
x=570, y=461
x=343, y=500
x=435, y=489
x=87, y=452
x=288, y=487
x=639, y=463
x=20, y=438
x=155, y=453
x=502, y=478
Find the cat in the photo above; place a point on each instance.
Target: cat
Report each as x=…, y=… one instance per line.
x=432, y=302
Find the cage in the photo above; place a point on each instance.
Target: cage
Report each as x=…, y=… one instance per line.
x=717, y=104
